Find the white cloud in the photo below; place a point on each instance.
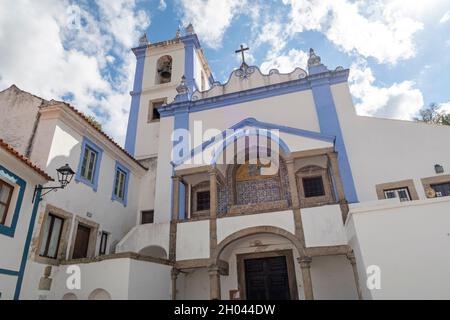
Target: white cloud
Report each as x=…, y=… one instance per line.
x=42, y=56
x=162, y=5
x=210, y=18
x=381, y=29
x=445, y=18
x=399, y=101
x=286, y=63
x=445, y=107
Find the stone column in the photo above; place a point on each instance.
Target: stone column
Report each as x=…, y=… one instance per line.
x=295, y=201
x=174, y=275
x=213, y=199
x=174, y=220
x=352, y=259
x=305, y=265
x=214, y=280
x=333, y=160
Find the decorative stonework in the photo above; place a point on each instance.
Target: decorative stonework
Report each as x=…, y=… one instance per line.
x=248, y=77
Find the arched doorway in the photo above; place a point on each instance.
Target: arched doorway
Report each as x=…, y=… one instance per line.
x=99, y=294
x=262, y=264
x=70, y=296
x=154, y=251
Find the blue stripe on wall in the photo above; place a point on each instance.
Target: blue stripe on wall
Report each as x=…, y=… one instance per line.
x=329, y=125
x=26, y=247
x=181, y=121
x=9, y=272
x=130, y=140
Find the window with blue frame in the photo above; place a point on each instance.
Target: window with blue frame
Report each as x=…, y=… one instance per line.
x=120, y=187
x=9, y=209
x=89, y=166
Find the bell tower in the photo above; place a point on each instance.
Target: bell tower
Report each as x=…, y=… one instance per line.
x=159, y=69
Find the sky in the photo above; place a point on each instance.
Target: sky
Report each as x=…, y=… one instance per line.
x=79, y=50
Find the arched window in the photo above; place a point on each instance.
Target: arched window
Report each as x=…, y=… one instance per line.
x=164, y=70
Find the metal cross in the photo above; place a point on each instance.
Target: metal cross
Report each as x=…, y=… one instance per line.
x=241, y=51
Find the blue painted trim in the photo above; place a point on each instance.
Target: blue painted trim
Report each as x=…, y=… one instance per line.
x=181, y=121
x=189, y=63
x=331, y=77
x=329, y=125
x=125, y=170
x=15, y=180
x=252, y=122
x=9, y=272
x=78, y=178
x=26, y=247
x=130, y=140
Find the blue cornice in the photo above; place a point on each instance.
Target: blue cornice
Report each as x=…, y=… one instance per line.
x=329, y=77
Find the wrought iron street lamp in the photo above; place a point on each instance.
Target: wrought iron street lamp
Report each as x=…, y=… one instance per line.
x=65, y=175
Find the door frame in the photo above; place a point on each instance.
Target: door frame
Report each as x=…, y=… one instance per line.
x=92, y=235
x=292, y=279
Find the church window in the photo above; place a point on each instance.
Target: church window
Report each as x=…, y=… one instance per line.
x=164, y=70
x=441, y=189
x=313, y=187
x=120, y=183
x=103, y=243
x=401, y=193
x=203, y=200
x=153, y=112
x=6, y=192
x=147, y=217
x=51, y=236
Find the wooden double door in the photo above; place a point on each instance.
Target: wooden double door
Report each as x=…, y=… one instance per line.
x=269, y=277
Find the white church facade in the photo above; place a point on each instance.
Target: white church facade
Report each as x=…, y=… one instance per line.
x=348, y=207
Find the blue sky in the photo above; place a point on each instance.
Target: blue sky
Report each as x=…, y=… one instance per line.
x=79, y=50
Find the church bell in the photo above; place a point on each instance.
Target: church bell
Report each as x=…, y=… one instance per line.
x=166, y=71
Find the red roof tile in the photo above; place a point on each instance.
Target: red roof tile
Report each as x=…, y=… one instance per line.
x=24, y=159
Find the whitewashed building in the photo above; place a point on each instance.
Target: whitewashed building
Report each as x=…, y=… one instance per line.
x=18, y=179
x=356, y=208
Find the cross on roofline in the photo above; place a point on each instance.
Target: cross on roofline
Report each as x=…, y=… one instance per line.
x=242, y=51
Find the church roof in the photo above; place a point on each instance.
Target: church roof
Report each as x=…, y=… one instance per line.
x=8, y=148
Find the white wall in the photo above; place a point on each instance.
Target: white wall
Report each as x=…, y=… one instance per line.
x=332, y=278
x=229, y=225
x=145, y=235
x=409, y=242
x=323, y=226
x=19, y=110
x=385, y=150
x=193, y=240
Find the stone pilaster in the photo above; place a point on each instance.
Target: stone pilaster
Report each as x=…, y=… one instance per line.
x=295, y=201
x=305, y=265
x=213, y=200
x=214, y=281
x=174, y=275
x=333, y=160
x=174, y=220
x=352, y=259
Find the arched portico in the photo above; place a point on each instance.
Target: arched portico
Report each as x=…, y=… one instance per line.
x=263, y=231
